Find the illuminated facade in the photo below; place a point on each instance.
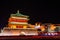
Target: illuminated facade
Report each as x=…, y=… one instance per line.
x=18, y=20
x=18, y=25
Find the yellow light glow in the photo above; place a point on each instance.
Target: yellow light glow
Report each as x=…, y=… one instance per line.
x=24, y=27
x=52, y=27
x=42, y=28
x=13, y=26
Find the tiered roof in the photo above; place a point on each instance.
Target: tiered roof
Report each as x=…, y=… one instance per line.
x=19, y=14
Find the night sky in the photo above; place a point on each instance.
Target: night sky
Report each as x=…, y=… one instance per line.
x=39, y=11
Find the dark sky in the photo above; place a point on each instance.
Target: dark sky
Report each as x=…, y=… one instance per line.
x=39, y=11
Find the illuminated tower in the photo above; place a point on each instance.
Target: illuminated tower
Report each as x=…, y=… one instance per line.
x=18, y=25
x=18, y=20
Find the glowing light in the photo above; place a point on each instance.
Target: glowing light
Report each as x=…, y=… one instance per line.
x=37, y=25
x=52, y=27
x=13, y=26
x=24, y=26
x=42, y=28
